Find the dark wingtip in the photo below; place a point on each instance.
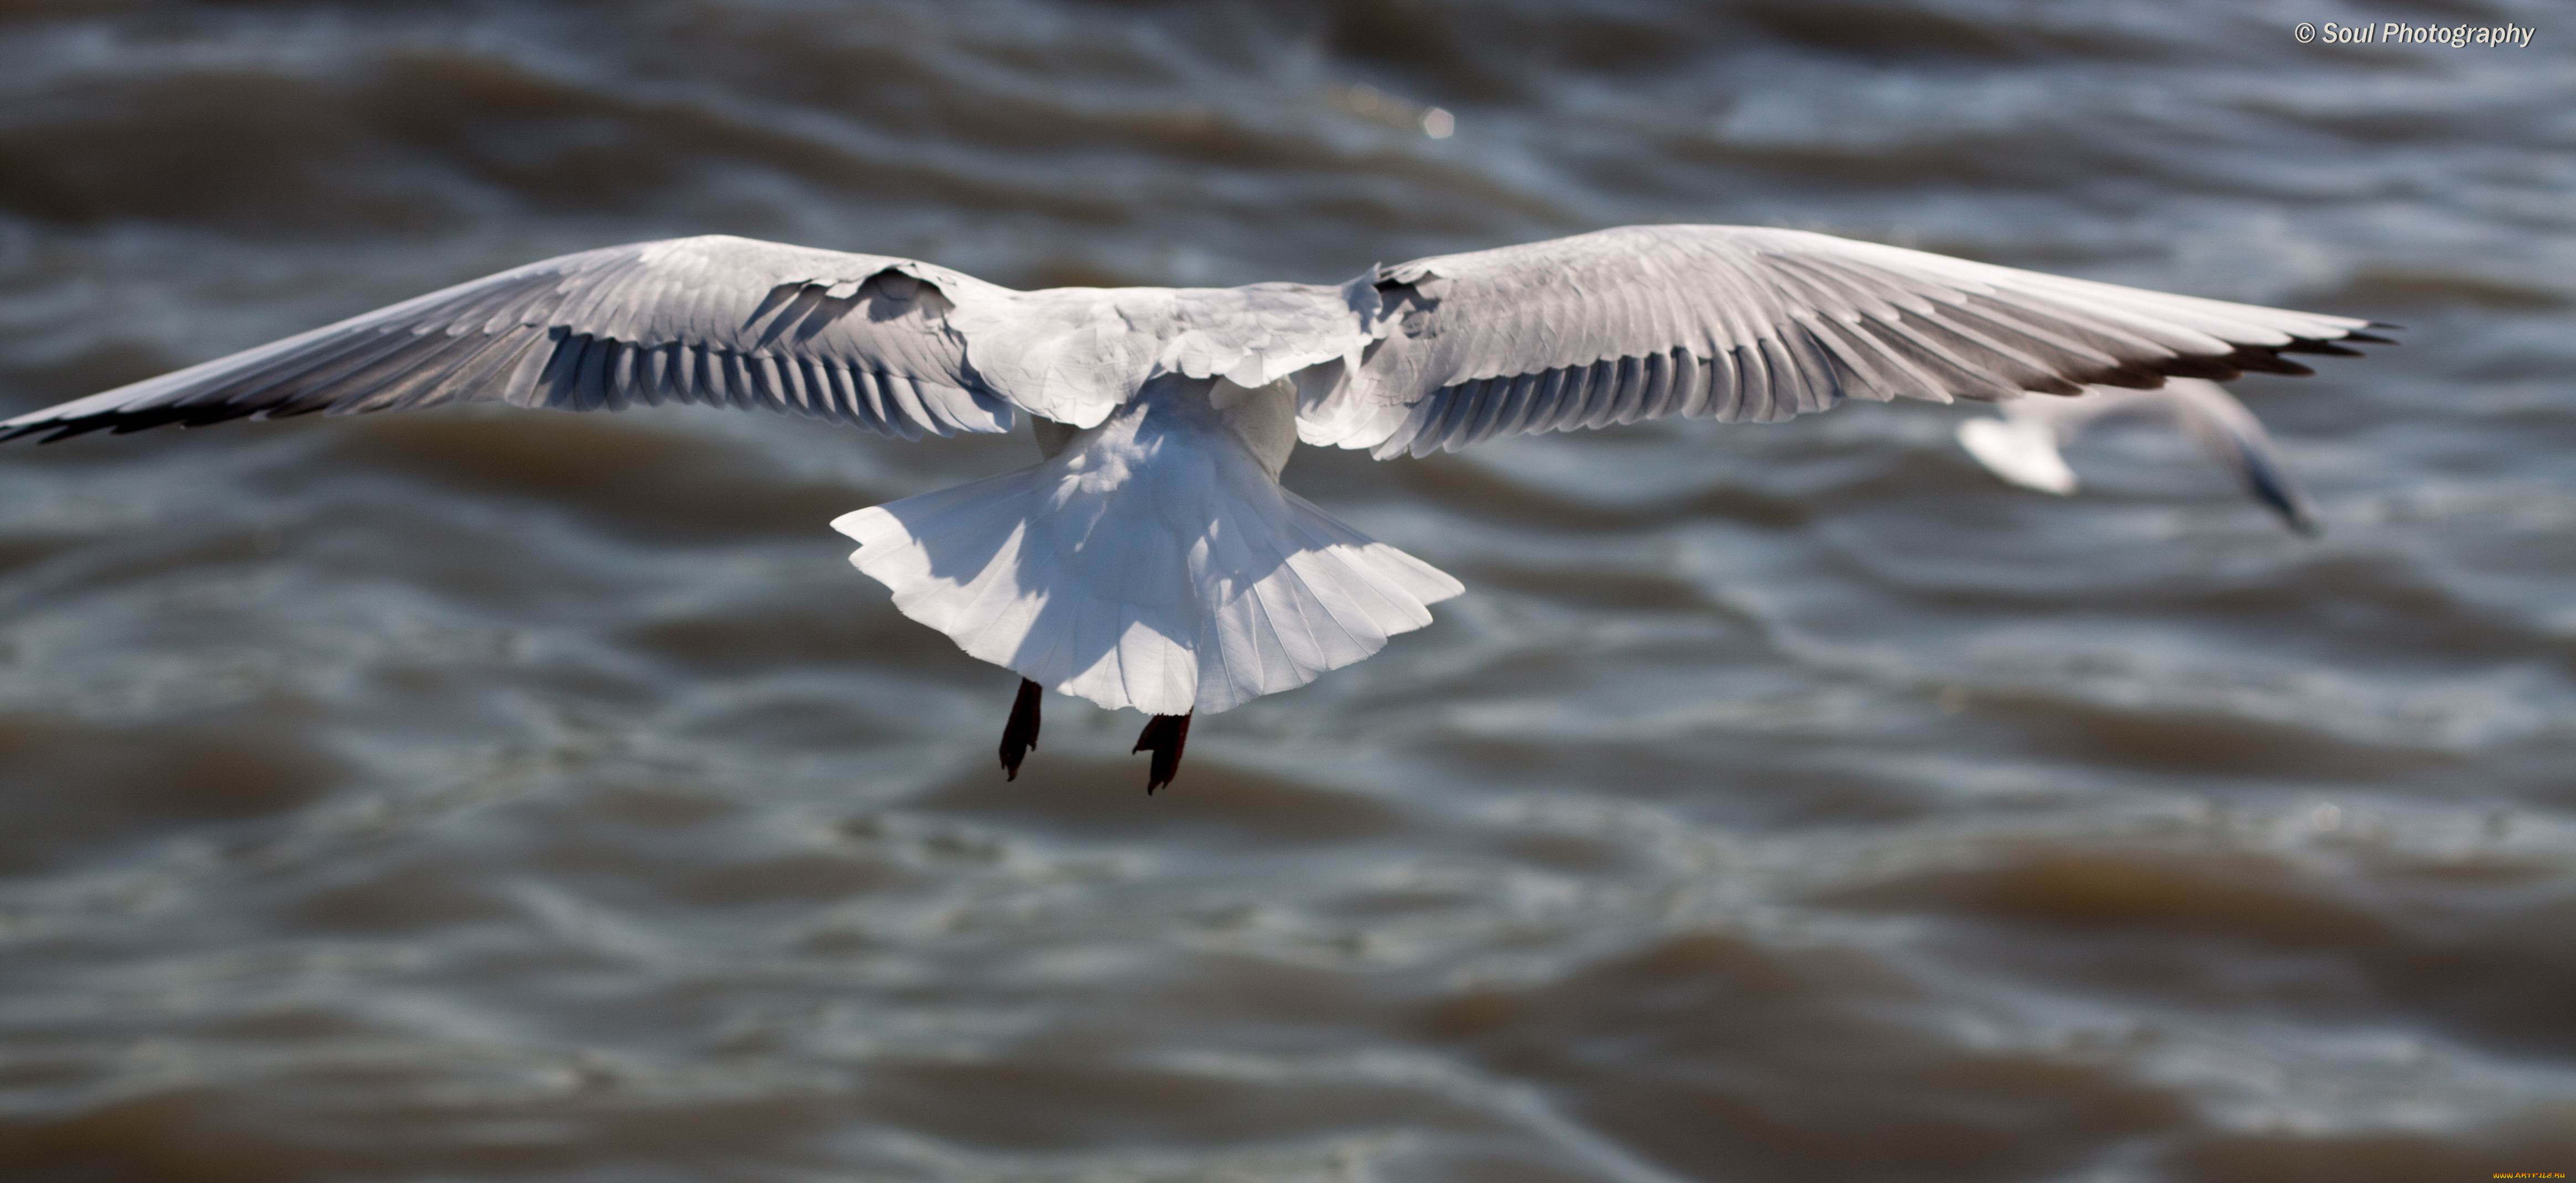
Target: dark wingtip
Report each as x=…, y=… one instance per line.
x=2215, y=369
x=2260, y=359
x=2269, y=362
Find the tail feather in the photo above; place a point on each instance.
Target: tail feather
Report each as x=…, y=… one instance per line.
x=1198, y=587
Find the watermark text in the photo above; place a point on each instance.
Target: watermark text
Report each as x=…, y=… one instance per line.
x=2401, y=33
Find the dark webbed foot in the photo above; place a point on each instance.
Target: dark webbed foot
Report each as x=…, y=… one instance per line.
x=1165, y=736
x=1021, y=733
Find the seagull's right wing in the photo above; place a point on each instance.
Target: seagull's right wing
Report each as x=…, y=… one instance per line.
x=1734, y=322
x=864, y=339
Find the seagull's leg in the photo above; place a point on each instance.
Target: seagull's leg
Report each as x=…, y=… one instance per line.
x=1165, y=736
x=1021, y=733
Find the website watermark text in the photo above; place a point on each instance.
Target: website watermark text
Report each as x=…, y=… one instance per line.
x=2508, y=36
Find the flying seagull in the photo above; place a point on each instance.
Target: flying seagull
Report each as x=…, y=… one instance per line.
x=1151, y=559
x=2022, y=446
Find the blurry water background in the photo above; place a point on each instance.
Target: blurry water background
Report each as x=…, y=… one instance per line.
x=494, y=795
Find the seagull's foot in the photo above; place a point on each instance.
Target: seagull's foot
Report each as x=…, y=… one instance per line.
x=1021, y=733
x=1165, y=736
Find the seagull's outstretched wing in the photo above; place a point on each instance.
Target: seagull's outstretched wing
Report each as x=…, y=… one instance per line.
x=2023, y=445
x=879, y=342
x=719, y=321
x=1744, y=323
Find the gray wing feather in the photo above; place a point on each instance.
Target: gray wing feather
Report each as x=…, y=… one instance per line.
x=860, y=339
x=1740, y=323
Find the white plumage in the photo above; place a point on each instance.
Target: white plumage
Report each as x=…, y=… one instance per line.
x=1152, y=559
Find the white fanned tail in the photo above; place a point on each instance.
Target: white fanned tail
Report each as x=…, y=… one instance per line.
x=1155, y=563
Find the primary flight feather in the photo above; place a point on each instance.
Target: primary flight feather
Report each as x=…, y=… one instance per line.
x=1151, y=559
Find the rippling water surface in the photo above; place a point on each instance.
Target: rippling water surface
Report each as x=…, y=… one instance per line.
x=510, y=796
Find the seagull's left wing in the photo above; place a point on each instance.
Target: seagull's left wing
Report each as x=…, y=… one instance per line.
x=899, y=346
x=722, y=321
x=1746, y=323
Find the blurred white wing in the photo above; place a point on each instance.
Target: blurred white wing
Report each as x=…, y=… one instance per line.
x=2022, y=453
x=1746, y=323
x=2023, y=446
